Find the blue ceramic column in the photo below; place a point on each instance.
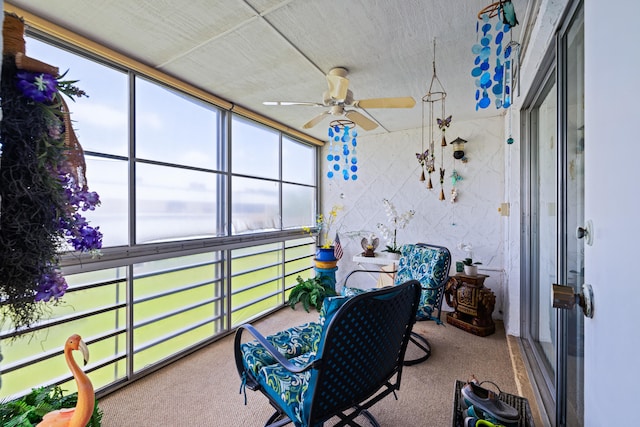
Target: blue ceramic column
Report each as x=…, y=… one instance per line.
x=326, y=265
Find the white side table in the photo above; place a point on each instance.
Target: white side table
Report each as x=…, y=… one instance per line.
x=387, y=266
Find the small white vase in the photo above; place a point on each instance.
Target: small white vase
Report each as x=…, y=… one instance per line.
x=392, y=255
x=471, y=270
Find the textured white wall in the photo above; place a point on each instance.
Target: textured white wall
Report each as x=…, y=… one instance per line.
x=389, y=169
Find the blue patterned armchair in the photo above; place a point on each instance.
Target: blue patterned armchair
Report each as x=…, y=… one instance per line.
x=339, y=366
x=429, y=265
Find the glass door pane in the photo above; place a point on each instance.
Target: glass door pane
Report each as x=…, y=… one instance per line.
x=574, y=266
x=544, y=227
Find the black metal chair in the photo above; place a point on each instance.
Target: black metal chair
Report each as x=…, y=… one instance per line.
x=337, y=367
x=429, y=264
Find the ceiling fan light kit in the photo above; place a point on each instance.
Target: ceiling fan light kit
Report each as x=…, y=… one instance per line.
x=339, y=100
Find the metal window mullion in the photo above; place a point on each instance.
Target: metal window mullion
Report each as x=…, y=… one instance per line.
x=562, y=340
x=318, y=182
x=132, y=224
x=283, y=250
x=116, y=322
x=226, y=203
x=132, y=160
x=129, y=322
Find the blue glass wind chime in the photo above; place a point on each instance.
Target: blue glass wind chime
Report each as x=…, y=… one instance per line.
x=342, y=150
x=489, y=51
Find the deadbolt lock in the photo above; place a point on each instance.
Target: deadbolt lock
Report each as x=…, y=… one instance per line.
x=565, y=298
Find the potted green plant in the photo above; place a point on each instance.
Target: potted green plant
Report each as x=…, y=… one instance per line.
x=28, y=410
x=311, y=292
x=470, y=267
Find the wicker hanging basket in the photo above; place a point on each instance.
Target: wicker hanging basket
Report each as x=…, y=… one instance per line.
x=14, y=44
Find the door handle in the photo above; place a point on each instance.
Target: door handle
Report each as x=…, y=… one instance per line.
x=585, y=232
x=565, y=298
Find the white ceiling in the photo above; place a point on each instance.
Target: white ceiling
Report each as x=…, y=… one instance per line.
x=250, y=51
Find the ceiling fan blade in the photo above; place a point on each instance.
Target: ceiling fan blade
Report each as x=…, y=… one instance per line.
x=361, y=120
x=286, y=103
x=401, y=102
x=317, y=119
x=338, y=83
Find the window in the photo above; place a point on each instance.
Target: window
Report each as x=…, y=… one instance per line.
x=174, y=128
x=263, y=197
x=101, y=123
x=298, y=191
x=201, y=213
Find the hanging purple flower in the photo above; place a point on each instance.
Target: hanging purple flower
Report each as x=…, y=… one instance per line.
x=74, y=226
x=80, y=234
x=52, y=285
x=40, y=87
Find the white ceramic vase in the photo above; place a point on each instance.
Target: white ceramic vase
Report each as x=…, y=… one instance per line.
x=471, y=270
x=392, y=255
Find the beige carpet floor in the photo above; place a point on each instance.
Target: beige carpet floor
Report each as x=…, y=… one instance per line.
x=202, y=389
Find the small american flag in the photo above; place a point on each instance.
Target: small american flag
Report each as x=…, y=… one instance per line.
x=337, y=248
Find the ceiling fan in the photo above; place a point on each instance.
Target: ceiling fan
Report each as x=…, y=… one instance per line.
x=338, y=96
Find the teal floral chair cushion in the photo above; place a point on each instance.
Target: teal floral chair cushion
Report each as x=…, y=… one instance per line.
x=291, y=343
x=329, y=307
x=429, y=265
x=312, y=372
x=351, y=292
x=299, y=345
x=288, y=388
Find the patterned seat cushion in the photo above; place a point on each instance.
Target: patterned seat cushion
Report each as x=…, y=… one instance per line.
x=351, y=292
x=299, y=345
x=288, y=388
x=426, y=265
x=291, y=343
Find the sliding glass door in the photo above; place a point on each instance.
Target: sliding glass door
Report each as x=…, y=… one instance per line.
x=570, y=382
x=542, y=246
x=553, y=244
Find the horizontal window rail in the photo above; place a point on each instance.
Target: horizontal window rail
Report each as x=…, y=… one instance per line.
x=167, y=337
x=254, y=284
x=114, y=256
x=257, y=300
x=177, y=269
x=177, y=291
x=169, y=314
x=24, y=363
x=59, y=321
x=199, y=294
x=67, y=378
